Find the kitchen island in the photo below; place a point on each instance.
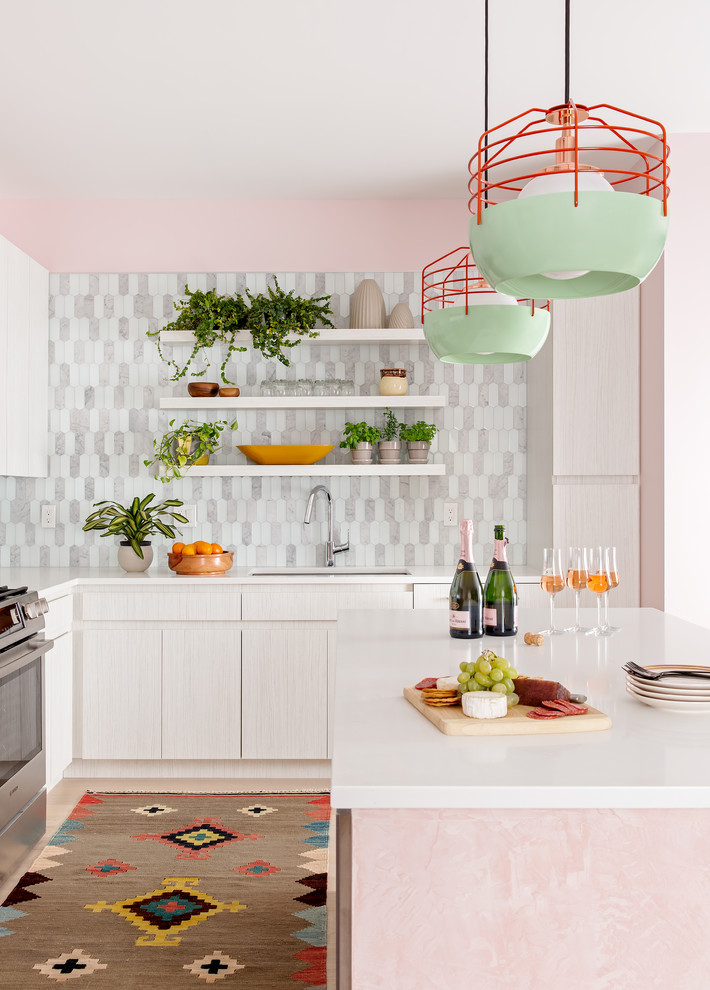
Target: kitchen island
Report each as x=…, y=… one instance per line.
x=519, y=861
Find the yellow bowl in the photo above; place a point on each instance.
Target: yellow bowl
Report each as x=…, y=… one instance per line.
x=202, y=563
x=287, y=453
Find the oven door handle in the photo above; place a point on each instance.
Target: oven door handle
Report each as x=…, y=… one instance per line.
x=34, y=648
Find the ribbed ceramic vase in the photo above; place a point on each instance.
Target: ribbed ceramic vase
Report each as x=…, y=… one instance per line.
x=401, y=317
x=367, y=307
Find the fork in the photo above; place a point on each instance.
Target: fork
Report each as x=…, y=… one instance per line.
x=633, y=668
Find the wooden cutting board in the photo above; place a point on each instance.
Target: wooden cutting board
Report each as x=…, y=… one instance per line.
x=452, y=721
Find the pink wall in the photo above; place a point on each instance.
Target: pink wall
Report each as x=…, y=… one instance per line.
x=234, y=235
x=528, y=899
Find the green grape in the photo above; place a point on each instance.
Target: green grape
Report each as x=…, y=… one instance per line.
x=471, y=668
x=463, y=666
x=512, y=699
x=474, y=686
x=501, y=662
x=462, y=678
x=496, y=675
x=484, y=666
x=508, y=681
x=512, y=673
x=499, y=688
x=482, y=679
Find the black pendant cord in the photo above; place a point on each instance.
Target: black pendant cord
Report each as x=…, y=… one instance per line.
x=567, y=19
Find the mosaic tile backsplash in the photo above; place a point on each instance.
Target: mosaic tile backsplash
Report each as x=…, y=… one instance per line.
x=106, y=380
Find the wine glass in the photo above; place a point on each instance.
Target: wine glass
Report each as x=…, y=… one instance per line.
x=577, y=580
x=597, y=582
x=552, y=581
x=612, y=577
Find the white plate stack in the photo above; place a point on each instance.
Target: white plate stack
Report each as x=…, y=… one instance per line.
x=675, y=694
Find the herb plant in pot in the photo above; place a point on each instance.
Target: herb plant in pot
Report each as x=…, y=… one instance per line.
x=185, y=445
x=135, y=523
x=360, y=437
x=418, y=438
x=390, y=446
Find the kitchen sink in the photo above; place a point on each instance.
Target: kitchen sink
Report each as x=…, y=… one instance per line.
x=324, y=571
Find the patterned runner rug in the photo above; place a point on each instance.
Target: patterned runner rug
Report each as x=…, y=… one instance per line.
x=139, y=891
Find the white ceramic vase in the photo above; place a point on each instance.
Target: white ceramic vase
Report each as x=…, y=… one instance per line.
x=129, y=559
x=401, y=317
x=367, y=307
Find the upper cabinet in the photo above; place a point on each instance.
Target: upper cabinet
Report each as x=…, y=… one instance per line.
x=596, y=386
x=24, y=342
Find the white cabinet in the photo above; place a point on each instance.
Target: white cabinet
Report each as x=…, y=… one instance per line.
x=201, y=694
x=24, y=342
x=285, y=693
x=58, y=707
x=121, y=694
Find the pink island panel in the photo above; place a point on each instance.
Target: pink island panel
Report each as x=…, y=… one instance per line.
x=531, y=900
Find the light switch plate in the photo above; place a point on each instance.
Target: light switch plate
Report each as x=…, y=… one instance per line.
x=190, y=512
x=451, y=515
x=48, y=517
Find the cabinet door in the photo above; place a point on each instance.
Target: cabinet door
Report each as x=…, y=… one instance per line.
x=201, y=694
x=285, y=694
x=58, y=693
x=121, y=694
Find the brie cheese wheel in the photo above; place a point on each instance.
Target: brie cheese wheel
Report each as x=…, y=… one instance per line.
x=484, y=704
x=447, y=683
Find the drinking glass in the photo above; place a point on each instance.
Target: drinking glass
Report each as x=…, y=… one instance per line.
x=577, y=580
x=597, y=582
x=612, y=577
x=552, y=581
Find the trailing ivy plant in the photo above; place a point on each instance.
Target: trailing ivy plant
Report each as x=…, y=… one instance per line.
x=136, y=522
x=184, y=445
x=213, y=319
x=277, y=319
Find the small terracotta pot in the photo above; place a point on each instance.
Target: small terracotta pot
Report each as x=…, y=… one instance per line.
x=362, y=454
x=418, y=451
x=389, y=451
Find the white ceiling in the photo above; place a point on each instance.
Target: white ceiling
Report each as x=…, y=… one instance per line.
x=313, y=99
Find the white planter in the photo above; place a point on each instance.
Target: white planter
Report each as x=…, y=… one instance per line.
x=129, y=559
x=418, y=451
x=389, y=451
x=362, y=454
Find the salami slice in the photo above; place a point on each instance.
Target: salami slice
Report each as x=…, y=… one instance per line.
x=427, y=682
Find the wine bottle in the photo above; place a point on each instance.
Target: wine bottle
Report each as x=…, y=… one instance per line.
x=500, y=596
x=466, y=594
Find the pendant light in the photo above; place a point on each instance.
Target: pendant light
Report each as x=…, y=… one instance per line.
x=586, y=216
x=465, y=320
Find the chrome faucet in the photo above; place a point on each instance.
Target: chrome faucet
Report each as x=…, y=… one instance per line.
x=330, y=547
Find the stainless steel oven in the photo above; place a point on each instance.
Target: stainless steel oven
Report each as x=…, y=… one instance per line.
x=22, y=756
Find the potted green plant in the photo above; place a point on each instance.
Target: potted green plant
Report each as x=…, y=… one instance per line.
x=135, y=523
x=277, y=319
x=390, y=446
x=418, y=438
x=360, y=437
x=212, y=319
x=185, y=445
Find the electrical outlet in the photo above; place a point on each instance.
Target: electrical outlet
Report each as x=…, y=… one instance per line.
x=48, y=517
x=451, y=516
x=190, y=513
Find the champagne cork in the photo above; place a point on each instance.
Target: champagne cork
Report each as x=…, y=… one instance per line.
x=534, y=639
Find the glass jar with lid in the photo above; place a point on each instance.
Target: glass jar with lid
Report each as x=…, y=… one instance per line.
x=393, y=381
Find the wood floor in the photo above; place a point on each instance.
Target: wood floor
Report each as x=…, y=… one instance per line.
x=63, y=798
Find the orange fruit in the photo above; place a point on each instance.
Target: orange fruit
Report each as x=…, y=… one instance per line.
x=189, y=550
x=201, y=547
x=216, y=548
x=178, y=547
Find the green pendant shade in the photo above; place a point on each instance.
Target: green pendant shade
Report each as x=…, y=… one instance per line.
x=616, y=238
x=486, y=334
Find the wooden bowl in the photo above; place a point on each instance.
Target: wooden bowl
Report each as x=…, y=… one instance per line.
x=231, y=393
x=207, y=564
x=200, y=390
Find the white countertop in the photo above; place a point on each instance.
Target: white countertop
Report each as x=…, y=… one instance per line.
x=48, y=580
x=387, y=755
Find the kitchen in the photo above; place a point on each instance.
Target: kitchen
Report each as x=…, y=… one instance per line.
x=513, y=440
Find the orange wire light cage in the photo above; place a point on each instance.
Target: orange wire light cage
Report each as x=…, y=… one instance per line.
x=569, y=202
x=467, y=322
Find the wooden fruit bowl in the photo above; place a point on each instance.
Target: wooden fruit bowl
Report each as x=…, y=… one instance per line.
x=207, y=564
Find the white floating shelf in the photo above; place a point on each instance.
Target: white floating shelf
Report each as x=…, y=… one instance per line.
x=325, y=336
x=311, y=470
x=307, y=402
